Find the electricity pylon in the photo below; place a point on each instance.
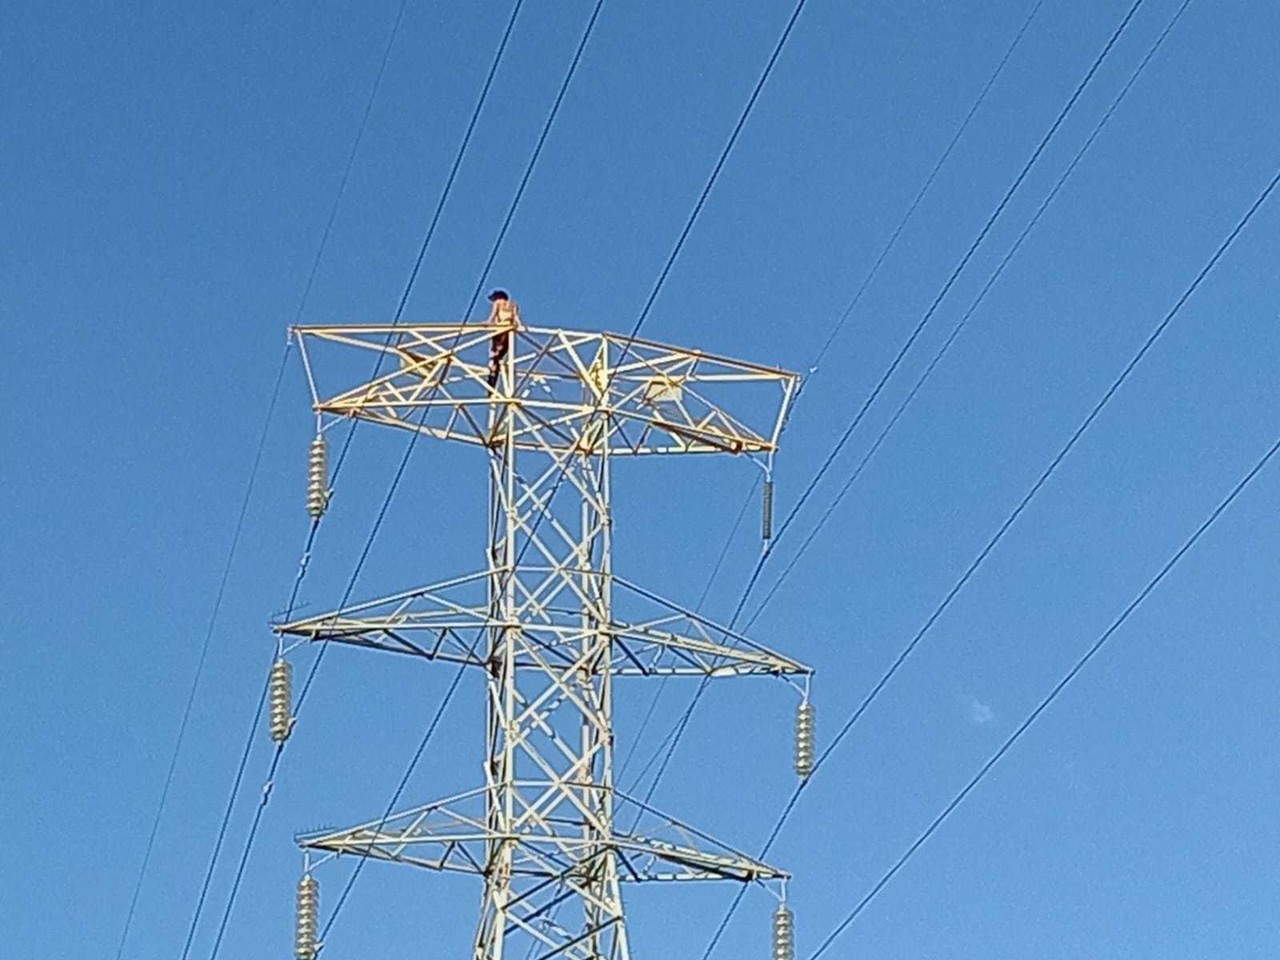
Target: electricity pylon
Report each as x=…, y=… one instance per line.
x=548, y=831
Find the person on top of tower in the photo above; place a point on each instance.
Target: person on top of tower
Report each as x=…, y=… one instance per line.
x=504, y=312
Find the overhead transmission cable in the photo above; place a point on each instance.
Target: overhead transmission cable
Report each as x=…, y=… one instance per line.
x=1011, y=519
x=715, y=175
x=678, y=247
x=220, y=593
x=502, y=232
x=675, y=252
x=475, y=296
x=959, y=268
x=248, y=495
x=493, y=252
x=315, y=664
x=673, y=740
x=924, y=188
x=666, y=269
x=692, y=219
x=843, y=318
x=238, y=780
x=965, y=317
x=693, y=215
x=697, y=608
x=1044, y=704
x=253, y=474
x=427, y=736
x=445, y=193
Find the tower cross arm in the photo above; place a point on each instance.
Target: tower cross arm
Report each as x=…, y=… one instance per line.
x=447, y=621
x=565, y=389
x=454, y=835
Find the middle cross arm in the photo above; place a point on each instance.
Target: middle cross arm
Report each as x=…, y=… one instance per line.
x=451, y=620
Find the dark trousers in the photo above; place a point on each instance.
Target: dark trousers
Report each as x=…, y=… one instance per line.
x=498, y=348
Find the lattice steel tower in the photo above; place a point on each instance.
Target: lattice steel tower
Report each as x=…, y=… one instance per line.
x=548, y=831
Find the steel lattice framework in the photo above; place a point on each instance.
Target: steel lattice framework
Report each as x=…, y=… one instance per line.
x=541, y=620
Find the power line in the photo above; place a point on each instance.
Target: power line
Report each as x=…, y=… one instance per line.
x=697, y=607
x=506, y=223
x=435, y=218
x=1060, y=456
x=244, y=760
x=484, y=274
x=858, y=417
x=1049, y=698
x=268, y=784
x=252, y=836
x=964, y=260
x=427, y=736
x=925, y=186
x=351, y=157
x=493, y=253
x=1009, y=521
x=537, y=152
x=715, y=172
x=663, y=274
x=445, y=193
x=683, y=722
x=475, y=296
x=203, y=656
x=382, y=513
x=890, y=243
x=692, y=219
x=972, y=308
x=315, y=664
x=404, y=297
x=226, y=819
x=249, y=486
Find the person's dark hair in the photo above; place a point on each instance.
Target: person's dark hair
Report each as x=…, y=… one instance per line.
x=498, y=295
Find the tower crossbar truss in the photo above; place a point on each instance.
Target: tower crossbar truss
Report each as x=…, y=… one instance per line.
x=548, y=832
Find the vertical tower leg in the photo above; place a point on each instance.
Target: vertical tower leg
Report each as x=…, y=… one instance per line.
x=549, y=761
x=500, y=690
x=602, y=901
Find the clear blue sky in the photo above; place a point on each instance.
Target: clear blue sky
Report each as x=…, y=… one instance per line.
x=165, y=176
